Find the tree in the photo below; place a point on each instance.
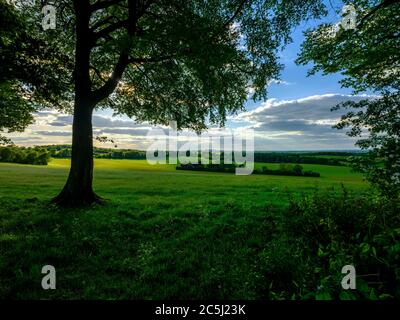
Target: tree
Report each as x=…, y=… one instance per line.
x=369, y=58
x=381, y=117
x=30, y=70
x=6, y=154
x=190, y=61
x=15, y=113
x=298, y=169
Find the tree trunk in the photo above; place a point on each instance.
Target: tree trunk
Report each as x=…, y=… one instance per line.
x=78, y=190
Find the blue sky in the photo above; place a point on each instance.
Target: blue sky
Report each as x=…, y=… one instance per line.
x=297, y=115
x=300, y=85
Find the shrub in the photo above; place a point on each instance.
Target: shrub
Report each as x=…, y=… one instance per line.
x=298, y=169
x=288, y=170
x=311, y=174
x=337, y=229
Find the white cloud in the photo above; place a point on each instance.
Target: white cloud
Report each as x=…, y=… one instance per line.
x=302, y=124
x=280, y=82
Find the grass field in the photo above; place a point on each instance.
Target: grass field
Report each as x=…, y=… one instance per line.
x=162, y=234
x=135, y=181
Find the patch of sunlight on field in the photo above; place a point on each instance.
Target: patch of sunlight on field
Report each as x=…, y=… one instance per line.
x=141, y=165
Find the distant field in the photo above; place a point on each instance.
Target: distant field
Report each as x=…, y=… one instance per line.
x=136, y=180
x=163, y=234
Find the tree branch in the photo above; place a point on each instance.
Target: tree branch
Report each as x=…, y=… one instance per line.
x=384, y=4
x=113, y=81
x=237, y=12
x=104, y=4
x=111, y=28
x=154, y=59
x=98, y=73
x=103, y=22
x=135, y=11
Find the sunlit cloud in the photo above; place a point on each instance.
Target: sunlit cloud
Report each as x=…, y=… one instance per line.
x=301, y=124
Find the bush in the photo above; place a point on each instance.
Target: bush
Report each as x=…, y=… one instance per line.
x=338, y=229
x=298, y=169
x=311, y=174
x=284, y=169
x=288, y=170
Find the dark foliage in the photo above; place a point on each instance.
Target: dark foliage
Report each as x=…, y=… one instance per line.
x=284, y=169
x=288, y=170
x=329, y=230
x=64, y=151
x=36, y=155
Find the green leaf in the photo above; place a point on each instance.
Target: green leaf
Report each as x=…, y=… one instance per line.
x=323, y=296
x=346, y=295
x=385, y=296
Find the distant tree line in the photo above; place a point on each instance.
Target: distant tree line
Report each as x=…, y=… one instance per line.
x=120, y=154
x=307, y=158
x=64, y=151
x=284, y=169
x=288, y=170
x=333, y=158
x=14, y=154
x=228, y=168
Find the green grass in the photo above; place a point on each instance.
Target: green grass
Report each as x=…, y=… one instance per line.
x=132, y=181
x=162, y=234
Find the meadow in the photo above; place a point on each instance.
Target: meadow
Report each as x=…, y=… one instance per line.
x=135, y=181
x=162, y=234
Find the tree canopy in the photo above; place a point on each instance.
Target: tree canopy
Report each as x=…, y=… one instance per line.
x=30, y=70
x=189, y=61
x=369, y=58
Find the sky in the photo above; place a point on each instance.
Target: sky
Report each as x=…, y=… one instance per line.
x=296, y=117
